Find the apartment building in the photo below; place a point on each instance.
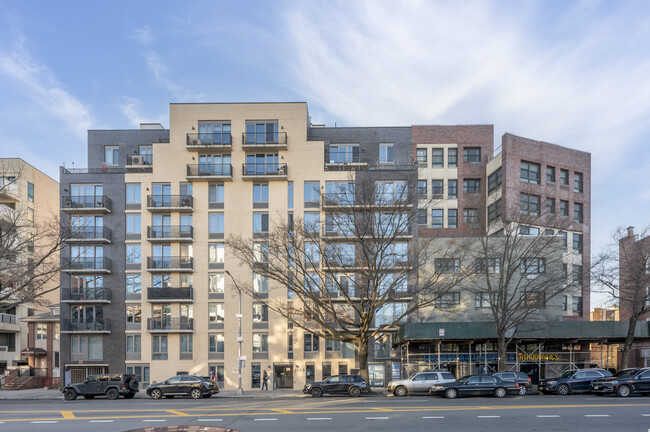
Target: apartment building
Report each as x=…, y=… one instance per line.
x=28, y=206
x=148, y=290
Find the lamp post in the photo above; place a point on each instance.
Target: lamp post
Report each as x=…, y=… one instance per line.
x=240, y=339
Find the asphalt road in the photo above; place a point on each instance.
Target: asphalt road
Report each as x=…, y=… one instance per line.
x=531, y=413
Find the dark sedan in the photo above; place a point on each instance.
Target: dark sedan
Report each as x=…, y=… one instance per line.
x=184, y=385
x=519, y=377
x=476, y=385
x=573, y=381
x=624, y=383
x=353, y=385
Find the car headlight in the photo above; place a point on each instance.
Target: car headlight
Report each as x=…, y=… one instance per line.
x=551, y=382
x=613, y=382
x=437, y=388
x=390, y=384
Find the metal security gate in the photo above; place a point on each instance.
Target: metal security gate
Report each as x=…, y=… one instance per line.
x=79, y=373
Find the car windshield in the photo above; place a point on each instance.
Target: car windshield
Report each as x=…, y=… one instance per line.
x=463, y=379
x=626, y=373
x=567, y=374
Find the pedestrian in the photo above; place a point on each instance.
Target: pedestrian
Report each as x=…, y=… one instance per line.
x=265, y=381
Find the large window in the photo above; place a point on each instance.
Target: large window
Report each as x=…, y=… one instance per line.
x=494, y=180
x=133, y=223
x=30, y=191
x=87, y=347
x=550, y=205
x=550, y=174
x=452, y=218
x=312, y=343
x=437, y=188
x=216, y=194
x=472, y=186
x=261, y=193
x=312, y=192
x=437, y=218
x=577, y=182
x=421, y=155
x=133, y=344
x=216, y=343
x=452, y=189
x=530, y=172
x=532, y=266
x=422, y=188
x=529, y=204
x=390, y=192
x=215, y=253
x=312, y=221
x=577, y=243
x=133, y=193
x=437, y=157
x=133, y=314
x=260, y=342
x=422, y=216
x=472, y=154
x=578, y=215
x=452, y=157
x=494, y=210
x=216, y=223
x=111, y=155
x=344, y=153
x=216, y=283
x=261, y=132
x=216, y=313
x=564, y=177
x=389, y=313
x=386, y=155
x=133, y=254
x=214, y=133
x=260, y=283
x=41, y=331
x=470, y=217
x=564, y=208
x=448, y=300
x=187, y=343
x=447, y=265
x=482, y=300
x=260, y=313
x=488, y=265
x=260, y=222
x=159, y=347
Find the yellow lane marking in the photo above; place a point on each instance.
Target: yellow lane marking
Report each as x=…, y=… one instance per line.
x=283, y=411
x=178, y=413
x=68, y=415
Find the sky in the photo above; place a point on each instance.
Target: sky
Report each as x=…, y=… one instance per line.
x=573, y=73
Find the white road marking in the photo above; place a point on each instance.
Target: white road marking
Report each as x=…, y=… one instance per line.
x=101, y=421
x=155, y=420
x=319, y=418
x=432, y=417
x=44, y=421
x=377, y=418
x=264, y=419
x=548, y=416
x=645, y=415
x=209, y=419
x=488, y=416
x=596, y=415
x=173, y=403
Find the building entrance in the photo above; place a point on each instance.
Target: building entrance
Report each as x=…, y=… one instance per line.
x=283, y=374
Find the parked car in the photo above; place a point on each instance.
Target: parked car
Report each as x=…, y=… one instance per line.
x=572, y=381
x=520, y=378
x=184, y=385
x=419, y=383
x=353, y=385
x=476, y=385
x=99, y=385
x=624, y=383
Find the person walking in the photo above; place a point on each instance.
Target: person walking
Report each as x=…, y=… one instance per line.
x=265, y=381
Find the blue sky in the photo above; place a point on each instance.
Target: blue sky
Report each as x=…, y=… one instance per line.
x=572, y=73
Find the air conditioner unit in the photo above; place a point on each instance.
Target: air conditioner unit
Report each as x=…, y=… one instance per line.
x=137, y=160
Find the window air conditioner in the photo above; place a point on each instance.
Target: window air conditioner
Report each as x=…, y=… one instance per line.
x=137, y=160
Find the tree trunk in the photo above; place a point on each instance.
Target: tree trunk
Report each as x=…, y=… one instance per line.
x=363, y=360
x=629, y=340
x=502, y=352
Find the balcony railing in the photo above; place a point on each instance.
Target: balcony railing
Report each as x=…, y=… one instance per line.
x=170, y=324
x=264, y=138
x=86, y=202
x=166, y=202
x=100, y=234
x=139, y=160
x=8, y=319
x=200, y=140
x=86, y=264
x=264, y=169
x=88, y=295
x=99, y=325
x=168, y=232
x=169, y=263
x=169, y=294
x=209, y=170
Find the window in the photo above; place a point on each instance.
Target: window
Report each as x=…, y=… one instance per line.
x=260, y=313
x=390, y=192
x=577, y=182
x=260, y=342
x=494, y=180
x=482, y=300
x=470, y=216
x=448, y=300
x=30, y=191
x=437, y=188
x=133, y=193
x=312, y=191
x=533, y=266
x=564, y=177
x=577, y=243
x=57, y=331
x=312, y=342
x=577, y=213
x=529, y=204
x=534, y=299
x=528, y=230
x=488, y=265
x=216, y=223
x=260, y=222
x=216, y=343
x=260, y=283
x=111, y=155
x=312, y=221
x=214, y=133
x=530, y=172
x=87, y=347
x=564, y=236
x=215, y=252
x=472, y=154
x=422, y=188
x=389, y=313
x=452, y=157
x=577, y=305
x=133, y=314
x=260, y=193
x=133, y=223
x=133, y=254
x=421, y=155
x=30, y=216
x=216, y=313
x=386, y=153
x=565, y=303
x=422, y=216
x=41, y=331
x=550, y=174
x=437, y=157
x=216, y=194
x=133, y=284
x=576, y=274
x=332, y=345
x=216, y=283
x=452, y=218
x=344, y=153
x=472, y=186
x=550, y=205
x=290, y=194
x=187, y=343
x=452, y=189
x=437, y=218
x=159, y=347
x=447, y=265
x=261, y=132
x=564, y=208
x=494, y=210
x=261, y=253
x=133, y=344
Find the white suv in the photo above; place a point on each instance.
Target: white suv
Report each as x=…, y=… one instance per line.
x=419, y=383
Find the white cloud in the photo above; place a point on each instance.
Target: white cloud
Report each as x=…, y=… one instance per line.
x=131, y=108
x=143, y=35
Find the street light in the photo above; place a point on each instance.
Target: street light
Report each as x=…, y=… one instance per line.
x=240, y=339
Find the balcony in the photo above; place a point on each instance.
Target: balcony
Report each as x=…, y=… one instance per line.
x=339, y=200
x=9, y=323
x=90, y=234
x=167, y=203
x=86, y=265
x=88, y=295
x=207, y=172
x=99, y=325
x=9, y=192
x=86, y=204
x=170, y=264
x=345, y=162
x=264, y=141
x=214, y=142
x=170, y=325
x=170, y=295
x=170, y=233
x=264, y=171
x=138, y=162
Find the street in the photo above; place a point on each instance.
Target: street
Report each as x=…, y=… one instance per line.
x=533, y=412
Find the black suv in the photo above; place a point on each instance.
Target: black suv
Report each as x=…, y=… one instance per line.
x=353, y=385
x=184, y=385
x=98, y=385
x=624, y=383
x=520, y=378
x=573, y=381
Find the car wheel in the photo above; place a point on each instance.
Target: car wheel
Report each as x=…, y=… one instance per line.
x=112, y=394
x=155, y=394
x=134, y=385
x=207, y=395
x=451, y=393
x=523, y=390
x=195, y=393
x=355, y=391
x=89, y=397
x=562, y=389
x=401, y=391
x=316, y=392
x=623, y=391
x=500, y=392
x=70, y=394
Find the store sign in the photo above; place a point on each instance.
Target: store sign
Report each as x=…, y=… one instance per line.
x=441, y=332
x=395, y=369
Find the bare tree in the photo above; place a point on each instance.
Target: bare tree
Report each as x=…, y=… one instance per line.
x=353, y=277
x=622, y=270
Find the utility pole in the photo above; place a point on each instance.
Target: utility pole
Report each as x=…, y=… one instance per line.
x=240, y=339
